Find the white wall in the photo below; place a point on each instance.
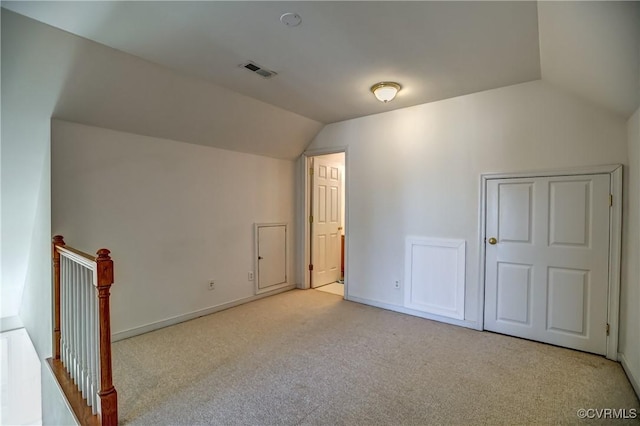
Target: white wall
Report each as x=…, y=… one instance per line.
x=50, y=73
x=630, y=286
x=55, y=409
x=19, y=380
x=592, y=48
x=416, y=171
x=174, y=215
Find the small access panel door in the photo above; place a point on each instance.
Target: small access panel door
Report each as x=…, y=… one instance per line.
x=271, y=256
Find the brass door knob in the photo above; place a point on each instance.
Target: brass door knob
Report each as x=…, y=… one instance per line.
x=492, y=241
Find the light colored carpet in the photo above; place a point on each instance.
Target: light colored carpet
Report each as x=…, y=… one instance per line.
x=333, y=288
x=311, y=358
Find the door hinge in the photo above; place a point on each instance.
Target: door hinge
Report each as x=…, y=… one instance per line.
x=310, y=219
x=310, y=267
x=610, y=200
x=607, y=329
x=311, y=171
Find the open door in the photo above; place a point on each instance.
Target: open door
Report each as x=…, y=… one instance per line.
x=326, y=227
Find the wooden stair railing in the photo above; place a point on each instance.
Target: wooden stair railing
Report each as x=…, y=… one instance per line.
x=81, y=359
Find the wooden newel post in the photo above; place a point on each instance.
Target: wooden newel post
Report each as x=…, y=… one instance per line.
x=108, y=394
x=58, y=240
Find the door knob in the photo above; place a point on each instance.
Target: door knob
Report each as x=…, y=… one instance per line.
x=492, y=241
x=259, y=257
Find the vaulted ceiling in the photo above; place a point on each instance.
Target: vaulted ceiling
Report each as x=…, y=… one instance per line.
x=326, y=65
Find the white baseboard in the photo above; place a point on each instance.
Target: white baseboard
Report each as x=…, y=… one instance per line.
x=192, y=315
x=635, y=381
x=403, y=310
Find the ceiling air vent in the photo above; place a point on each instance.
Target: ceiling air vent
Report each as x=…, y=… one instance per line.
x=262, y=72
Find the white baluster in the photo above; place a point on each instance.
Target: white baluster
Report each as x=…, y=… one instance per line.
x=68, y=315
x=72, y=325
x=87, y=313
x=92, y=350
x=76, y=321
x=80, y=323
x=96, y=346
x=65, y=317
x=87, y=333
x=68, y=266
x=83, y=325
x=63, y=311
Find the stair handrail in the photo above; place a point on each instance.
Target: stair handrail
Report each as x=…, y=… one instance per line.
x=90, y=408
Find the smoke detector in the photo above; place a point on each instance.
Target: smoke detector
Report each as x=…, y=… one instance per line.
x=261, y=71
x=291, y=19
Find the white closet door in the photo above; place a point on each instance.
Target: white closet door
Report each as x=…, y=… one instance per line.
x=547, y=259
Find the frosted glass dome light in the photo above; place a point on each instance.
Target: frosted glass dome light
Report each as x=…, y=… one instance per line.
x=385, y=91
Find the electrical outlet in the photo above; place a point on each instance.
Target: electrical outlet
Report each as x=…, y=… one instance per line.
x=250, y=275
x=396, y=284
x=212, y=285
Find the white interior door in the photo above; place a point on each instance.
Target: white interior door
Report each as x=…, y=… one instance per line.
x=325, y=225
x=546, y=272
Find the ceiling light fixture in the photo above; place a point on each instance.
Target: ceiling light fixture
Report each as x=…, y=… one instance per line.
x=385, y=91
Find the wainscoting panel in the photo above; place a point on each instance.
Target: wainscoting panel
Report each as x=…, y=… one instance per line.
x=434, y=276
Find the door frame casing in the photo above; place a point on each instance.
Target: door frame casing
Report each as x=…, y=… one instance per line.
x=615, y=240
x=304, y=208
